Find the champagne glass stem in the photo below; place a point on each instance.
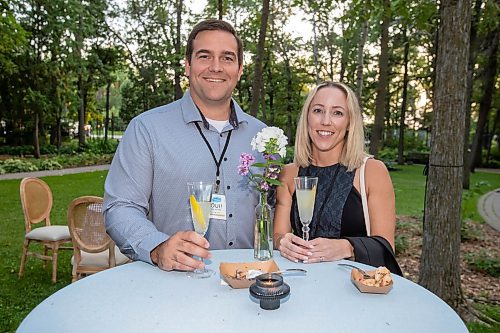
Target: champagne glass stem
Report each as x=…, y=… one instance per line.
x=305, y=231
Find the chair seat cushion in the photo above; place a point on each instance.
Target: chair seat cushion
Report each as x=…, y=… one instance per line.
x=100, y=259
x=50, y=233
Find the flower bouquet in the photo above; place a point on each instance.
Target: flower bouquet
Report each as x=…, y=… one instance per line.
x=271, y=143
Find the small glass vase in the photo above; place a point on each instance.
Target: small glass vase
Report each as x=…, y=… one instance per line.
x=263, y=241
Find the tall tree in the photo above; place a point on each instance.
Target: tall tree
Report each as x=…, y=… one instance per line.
x=383, y=66
x=404, y=98
x=488, y=80
x=440, y=261
x=177, y=45
x=470, y=75
x=257, y=82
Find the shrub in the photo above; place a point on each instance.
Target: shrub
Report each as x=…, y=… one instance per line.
x=16, y=165
x=469, y=231
x=388, y=154
x=50, y=164
x=402, y=244
x=48, y=149
x=484, y=262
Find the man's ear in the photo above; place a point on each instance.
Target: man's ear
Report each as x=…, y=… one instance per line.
x=187, y=67
x=240, y=72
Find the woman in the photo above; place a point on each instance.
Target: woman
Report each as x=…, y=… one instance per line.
x=329, y=145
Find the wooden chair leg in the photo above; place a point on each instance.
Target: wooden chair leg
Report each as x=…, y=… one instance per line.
x=23, y=258
x=55, y=249
x=45, y=251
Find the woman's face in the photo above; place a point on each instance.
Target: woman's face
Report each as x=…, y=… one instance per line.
x=328, y=120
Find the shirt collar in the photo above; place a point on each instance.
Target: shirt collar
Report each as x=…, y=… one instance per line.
x=192, y=113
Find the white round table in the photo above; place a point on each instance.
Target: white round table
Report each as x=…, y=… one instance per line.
x=138, y=297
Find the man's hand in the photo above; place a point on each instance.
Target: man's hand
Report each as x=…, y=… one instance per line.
x=176, y=252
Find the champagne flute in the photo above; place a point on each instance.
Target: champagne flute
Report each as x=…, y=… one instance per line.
x=200, y=200
x=305, y=191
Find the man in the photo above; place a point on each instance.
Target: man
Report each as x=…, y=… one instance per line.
x=197, y=138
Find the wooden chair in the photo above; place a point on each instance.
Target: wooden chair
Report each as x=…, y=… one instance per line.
x=36, y=200
x=93, y=249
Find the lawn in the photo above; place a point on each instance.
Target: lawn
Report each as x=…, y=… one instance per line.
x=19, y=296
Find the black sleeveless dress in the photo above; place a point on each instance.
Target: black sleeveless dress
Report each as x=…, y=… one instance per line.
x=338, y=213
x=338, y=210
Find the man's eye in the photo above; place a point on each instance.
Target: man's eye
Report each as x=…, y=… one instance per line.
x=228, y=59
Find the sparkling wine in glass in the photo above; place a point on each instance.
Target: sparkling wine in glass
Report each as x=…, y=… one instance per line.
x=200, y=200
x=305, y=191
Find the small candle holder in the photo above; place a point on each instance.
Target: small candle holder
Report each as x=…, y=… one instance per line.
x=269, y=289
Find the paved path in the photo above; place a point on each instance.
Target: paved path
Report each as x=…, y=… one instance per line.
x=488, y=207
x=44, y=173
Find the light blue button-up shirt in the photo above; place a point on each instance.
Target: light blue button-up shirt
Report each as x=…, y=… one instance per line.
x=146, y=198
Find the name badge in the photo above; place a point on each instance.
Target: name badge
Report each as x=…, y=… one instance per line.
x=218, y=207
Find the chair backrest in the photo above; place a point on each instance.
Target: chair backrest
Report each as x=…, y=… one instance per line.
x=86, y=225
x=36, y=200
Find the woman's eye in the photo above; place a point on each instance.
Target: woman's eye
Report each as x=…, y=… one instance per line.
x=338, y=113
x=317, y=110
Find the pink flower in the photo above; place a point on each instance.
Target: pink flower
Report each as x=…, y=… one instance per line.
x=264, y=186
x=246, y=160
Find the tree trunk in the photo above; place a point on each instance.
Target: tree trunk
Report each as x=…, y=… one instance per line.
x=440, y=260
x=178, y=67
x=493, y=131
x=360, y=61
x=36, y=142
x=470, y=83
x=81, y=112
x=344, y=56
x=383, y=65
x=488, y=79
x=315, y=49
x=220, y=8
x=106, y=120
x=404, y=98
x=257, y=82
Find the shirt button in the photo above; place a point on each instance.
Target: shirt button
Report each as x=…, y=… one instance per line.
x=225, y=158
x=230, y=215
x=228, y=187
x=230, y=243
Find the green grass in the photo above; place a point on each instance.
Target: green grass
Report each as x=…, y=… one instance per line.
x=493, y=312
x=19, y=296
x=409, y=187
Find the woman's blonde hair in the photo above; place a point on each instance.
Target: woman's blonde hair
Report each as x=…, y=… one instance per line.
x=353, y=151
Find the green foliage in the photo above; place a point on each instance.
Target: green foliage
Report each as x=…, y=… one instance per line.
x=48, y=164
x=13, y=165
x=484, y=262
x=387, y=154
x=402, y=244
x=468, y=231
x=492, y=312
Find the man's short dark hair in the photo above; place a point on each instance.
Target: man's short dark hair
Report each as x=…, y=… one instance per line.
x=213, y=25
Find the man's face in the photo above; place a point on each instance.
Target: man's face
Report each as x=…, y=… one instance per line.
x=213, y=70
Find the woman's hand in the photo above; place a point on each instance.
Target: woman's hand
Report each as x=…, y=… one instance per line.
x=294, y=248
x=325, y=249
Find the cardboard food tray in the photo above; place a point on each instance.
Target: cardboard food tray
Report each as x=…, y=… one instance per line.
x=356, y=276
x=228, y=271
